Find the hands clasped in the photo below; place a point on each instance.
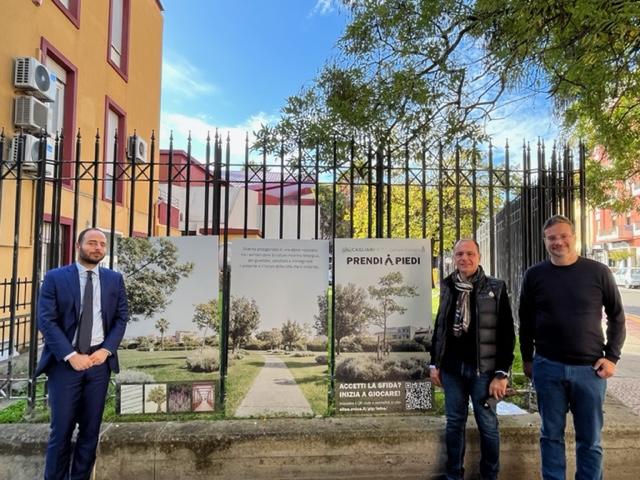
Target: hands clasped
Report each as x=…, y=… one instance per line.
x=82, y=361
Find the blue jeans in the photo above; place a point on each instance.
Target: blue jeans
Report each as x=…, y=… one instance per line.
x=560, y=388
x=458, y=387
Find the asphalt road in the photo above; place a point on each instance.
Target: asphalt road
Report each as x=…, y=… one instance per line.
x=630, y=300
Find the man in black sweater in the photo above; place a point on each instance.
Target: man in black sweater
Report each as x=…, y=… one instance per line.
x=560, y=312
x=471, y=354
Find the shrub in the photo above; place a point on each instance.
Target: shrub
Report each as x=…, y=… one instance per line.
x=206, y=360
x=359, y=370
x=317, y=346
x=301, y=353
x=350, y=345
x=406, y=346
x=368, y=369
x=322, y=360
x=134, y=376
x=254, y=344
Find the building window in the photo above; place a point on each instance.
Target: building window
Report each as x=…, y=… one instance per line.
x=115, y=128
x=118, y=54
x=71, y=8
x=59, y=254
x=63, y=109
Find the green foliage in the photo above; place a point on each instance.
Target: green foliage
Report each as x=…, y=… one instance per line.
x=151, y=273
x=619, y=255
x=292, y=333
x=244, y=319
x=350, y=310
x=205, y=316
x=369, y=369
x=157, y=395
x=204, y=360
x=133, y=376
x=437, y=71
x=390, y=288
x=271, y=339
x=162, y=325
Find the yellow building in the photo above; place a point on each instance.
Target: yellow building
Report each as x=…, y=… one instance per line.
x=103, y=60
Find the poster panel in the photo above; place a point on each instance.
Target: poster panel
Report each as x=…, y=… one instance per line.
x=171, y=340
x=382, y=325
x=277, y=333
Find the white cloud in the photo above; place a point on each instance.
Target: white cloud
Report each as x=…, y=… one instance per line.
x=323, y=7
x=183, y=125
x=182, y=78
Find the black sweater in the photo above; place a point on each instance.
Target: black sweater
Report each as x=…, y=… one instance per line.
x=561, y=313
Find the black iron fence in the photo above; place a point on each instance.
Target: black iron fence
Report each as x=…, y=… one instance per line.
x=339, y=189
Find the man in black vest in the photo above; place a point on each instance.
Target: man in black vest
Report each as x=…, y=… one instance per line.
x=471, y=354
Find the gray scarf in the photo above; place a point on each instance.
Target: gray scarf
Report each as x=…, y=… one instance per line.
x=462, y=316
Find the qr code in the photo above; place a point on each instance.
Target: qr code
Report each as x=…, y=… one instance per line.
x=418, y=395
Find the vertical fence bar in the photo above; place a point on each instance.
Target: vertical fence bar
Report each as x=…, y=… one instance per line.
x=13, y=292
x=423, y=192
x=207, y=183
x=492, y=218
x=299, y=195
x=264, y=192
x=507, y=210
x=457, y=190
x=35, y=277
x=226, y=280
x=407, y=172
x=281, y=226
x=56, y=199
x=169, y=185
x=76, y=190
x=379, y=191
x=369, y=189
x=583, y=199
x=187, y=208
x=96, y=160
x=132, y=181
x=316, y=207
x=389, y=197
x=440, y=213
x=474, y=191
x=246, y=187
x=114, y=183
x=351, y=186
x=150, y=204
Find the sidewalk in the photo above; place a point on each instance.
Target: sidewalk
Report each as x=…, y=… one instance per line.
x=625, y=385
x=274, y=392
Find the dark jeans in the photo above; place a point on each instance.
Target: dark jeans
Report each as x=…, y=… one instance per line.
x=560, y=388
x=458, y=387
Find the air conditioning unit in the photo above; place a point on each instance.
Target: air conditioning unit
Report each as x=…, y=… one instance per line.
x=137, y=149
x=31, y=151
x=31, y=114
x=29, y=74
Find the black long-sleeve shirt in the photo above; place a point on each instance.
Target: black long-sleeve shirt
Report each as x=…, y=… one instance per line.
x=561, y=313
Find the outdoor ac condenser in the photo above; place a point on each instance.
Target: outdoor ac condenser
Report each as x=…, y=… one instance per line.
x=31, y=114
x=32, y=76
x=137, y=149
x=31, y=154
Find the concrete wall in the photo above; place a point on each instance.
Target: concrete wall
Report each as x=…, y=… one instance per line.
x=304, y=449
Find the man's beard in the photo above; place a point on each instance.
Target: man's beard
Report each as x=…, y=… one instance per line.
x=88, y=259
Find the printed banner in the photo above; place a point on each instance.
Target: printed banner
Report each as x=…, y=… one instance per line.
x=277, y=333
x=382, y=325
x=171, y=347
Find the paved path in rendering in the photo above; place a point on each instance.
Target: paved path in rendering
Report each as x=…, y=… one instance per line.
x=274, y=392
x=625, y=384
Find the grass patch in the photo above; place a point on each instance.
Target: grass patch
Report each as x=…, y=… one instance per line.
x=312, y=380
x=240, y=377
x=165, y=366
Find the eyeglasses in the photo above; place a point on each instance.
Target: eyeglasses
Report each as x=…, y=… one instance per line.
x=555, y=238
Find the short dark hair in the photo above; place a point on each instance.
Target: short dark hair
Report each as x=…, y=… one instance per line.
x=85, y=231
x=467, y=240
x=556, y=219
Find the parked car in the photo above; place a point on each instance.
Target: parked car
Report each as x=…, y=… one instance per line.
x=628, y=277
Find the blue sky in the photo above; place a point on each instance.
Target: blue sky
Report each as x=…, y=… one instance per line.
x=231, y=64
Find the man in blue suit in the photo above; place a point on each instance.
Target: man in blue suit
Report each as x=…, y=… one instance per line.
x=82, y=314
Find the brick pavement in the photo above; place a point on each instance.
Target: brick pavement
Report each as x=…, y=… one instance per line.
x=625, y=385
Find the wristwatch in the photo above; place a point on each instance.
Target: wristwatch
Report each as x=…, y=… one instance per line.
x=500, y=375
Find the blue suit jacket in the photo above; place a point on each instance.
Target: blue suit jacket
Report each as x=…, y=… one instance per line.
x=59, y=313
